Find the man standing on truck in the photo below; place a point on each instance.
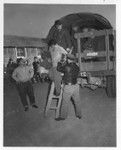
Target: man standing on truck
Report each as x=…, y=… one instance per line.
x=71, y=87
x=87, y=42
x=74, y=29
x=60, y=35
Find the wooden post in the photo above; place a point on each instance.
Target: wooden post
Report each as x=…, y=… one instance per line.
x=26, y=54
x=16, y=52
x=36, y=52
x=79, y=53
x=107, y=51
x=114, y=50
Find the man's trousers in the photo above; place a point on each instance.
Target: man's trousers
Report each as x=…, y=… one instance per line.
x=71, y=91
x=57, y=78
x=24, y=89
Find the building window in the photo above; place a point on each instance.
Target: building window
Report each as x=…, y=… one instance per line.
x=21, y=52
x=33, y=51
x=39, y=52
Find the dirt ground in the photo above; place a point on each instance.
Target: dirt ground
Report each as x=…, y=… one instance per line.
x=96, y=128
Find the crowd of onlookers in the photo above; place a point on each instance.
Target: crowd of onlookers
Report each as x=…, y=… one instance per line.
x=39, y=66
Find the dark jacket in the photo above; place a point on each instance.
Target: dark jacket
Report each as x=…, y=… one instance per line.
x=11, y=67
x=70, y=70
x=46, y=64
x=35, y=66
x=61, y=37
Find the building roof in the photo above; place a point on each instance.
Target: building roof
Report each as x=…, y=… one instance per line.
x=19, y=41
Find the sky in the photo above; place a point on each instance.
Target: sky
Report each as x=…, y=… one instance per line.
x=35, y=20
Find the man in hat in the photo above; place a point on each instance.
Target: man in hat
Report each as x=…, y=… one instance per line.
x=10, y=68
x=61, y=36
x=36, y=67
x=22, y=75
x=87, y=42
x=71, y=88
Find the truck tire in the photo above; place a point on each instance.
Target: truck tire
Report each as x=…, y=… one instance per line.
x=111, y=86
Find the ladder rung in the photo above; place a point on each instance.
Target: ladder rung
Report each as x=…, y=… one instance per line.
x=55, y=97
x=53, y=107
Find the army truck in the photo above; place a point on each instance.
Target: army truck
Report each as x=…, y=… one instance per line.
x=96, y=50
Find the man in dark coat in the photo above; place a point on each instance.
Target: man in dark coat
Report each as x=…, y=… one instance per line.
x=10, y=68
x=35, y=67
x=60, y=35
x=71, y=87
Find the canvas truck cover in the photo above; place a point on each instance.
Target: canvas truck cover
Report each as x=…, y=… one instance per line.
x=85, y=20
x=82, y=20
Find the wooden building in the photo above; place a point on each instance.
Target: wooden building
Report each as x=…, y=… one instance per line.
x=25, y=47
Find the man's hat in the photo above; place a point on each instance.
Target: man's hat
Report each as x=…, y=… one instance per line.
x=71, y=57
x=19, y=60
x=10, y=59
x=74, y=25
x=52, y=42
x=58, y=22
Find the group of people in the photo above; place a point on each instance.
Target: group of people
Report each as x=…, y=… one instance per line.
x=39, y=66
x=62, y=68
x=66, y=37
x=65, y=69
x=24, y=73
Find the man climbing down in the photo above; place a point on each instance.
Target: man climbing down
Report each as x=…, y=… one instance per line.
x=60, y=35
x=56, y=52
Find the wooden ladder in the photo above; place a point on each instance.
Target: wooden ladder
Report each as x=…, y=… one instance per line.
x=51, y=98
